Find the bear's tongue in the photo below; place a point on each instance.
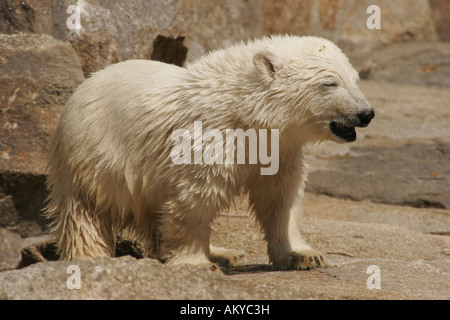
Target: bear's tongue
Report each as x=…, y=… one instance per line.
x=346, y=133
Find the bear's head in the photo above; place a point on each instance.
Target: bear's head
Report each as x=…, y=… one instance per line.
x=314, y=87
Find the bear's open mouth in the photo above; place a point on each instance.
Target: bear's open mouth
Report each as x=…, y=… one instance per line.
x=344, y=132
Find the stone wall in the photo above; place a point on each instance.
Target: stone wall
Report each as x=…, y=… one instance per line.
x=345, y=21
x=212, y=24
x=216, y=23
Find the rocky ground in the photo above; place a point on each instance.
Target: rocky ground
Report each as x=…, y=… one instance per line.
x=382, y=201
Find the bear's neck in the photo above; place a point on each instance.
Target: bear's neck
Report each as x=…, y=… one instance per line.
x=232, y=87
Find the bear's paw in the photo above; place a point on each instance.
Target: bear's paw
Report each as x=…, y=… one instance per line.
x=302, y=260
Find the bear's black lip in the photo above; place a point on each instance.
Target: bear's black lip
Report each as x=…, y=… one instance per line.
x=342, y=131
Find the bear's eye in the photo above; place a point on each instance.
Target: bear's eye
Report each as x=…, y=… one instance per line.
x=330, y=84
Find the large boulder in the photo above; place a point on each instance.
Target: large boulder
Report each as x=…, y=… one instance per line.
x=37, y=76
x=111, y=31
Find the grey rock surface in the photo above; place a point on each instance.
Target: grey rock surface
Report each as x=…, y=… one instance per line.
x=415, y=62
x=412, y=266
x=10, y=246
x=38, y=74
x=413, y=174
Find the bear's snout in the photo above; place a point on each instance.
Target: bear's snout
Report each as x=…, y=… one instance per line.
x=365, y=117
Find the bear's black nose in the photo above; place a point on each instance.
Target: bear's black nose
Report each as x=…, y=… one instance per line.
x=365, y=117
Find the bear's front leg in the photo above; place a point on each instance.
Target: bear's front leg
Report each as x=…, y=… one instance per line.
x=277, y=203
x=286, y=247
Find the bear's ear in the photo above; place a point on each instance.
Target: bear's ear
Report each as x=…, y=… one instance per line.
x=263, y=63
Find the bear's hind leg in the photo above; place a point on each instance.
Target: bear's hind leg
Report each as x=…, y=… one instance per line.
x=185, y=232
x=226, y=257
x=81, y=233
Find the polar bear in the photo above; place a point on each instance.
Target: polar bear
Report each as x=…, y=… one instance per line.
x=110, y=165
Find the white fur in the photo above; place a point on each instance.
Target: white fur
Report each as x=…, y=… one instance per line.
x=110, y=165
